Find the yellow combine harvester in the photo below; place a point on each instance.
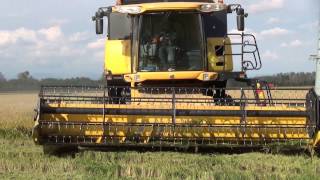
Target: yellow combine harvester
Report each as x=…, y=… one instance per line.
x=167, y=65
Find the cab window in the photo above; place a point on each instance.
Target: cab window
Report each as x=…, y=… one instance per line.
x=119, y=26
x=215, y=24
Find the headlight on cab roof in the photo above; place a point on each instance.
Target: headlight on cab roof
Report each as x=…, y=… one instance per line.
x=212, y=7
x=129, y=9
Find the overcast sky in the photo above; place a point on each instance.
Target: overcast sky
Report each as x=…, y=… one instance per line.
x=56, y=38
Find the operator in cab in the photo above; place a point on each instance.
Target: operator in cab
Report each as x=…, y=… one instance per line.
x=167, y=47
x=159, y=49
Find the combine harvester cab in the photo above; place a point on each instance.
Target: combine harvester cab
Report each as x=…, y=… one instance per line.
x=153, y=98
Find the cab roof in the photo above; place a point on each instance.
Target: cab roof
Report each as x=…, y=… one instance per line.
x=165, y=6
x=126, y=2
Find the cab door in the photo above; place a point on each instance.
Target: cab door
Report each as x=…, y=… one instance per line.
x=118, y=44
x=215, y=28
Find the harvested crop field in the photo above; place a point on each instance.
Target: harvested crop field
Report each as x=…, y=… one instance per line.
x=21, y=159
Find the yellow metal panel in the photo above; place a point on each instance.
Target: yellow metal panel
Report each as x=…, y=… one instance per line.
x=141, y=119
x=231, y=128
x=190, y=75
x=227, y=132
x=118, y=56
x=213, y=59
x=316, y=141
x=203, y=120
x=183, y=106
x=163, y=6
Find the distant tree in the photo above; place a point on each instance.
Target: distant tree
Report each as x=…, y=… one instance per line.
x=291, y=79
x=102, y=77
x=2, y=78
x=24, y=75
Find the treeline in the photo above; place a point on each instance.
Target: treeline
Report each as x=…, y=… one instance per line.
x=25, y=81
x=291, y=79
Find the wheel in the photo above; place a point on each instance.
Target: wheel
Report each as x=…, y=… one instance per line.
x=317, y=151
x=119, y=95
x=220, y=95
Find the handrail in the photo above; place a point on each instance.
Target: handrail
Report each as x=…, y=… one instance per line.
x=246, y=65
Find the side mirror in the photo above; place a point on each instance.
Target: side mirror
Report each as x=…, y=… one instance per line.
x=98, y=18
x=240, y=19
x=99, y=25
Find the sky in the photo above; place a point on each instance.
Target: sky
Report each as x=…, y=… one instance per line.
x=56, y=38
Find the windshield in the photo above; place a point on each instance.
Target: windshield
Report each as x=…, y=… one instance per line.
x=170, y=42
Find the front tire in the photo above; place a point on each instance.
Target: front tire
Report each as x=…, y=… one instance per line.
x=119, y=95
x=220, y=92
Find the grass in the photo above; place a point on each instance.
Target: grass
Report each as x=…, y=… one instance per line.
x=21, y=159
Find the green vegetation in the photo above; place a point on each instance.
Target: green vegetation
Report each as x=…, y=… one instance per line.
x=26, y=82
x=21, y=159
x=291, y=79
